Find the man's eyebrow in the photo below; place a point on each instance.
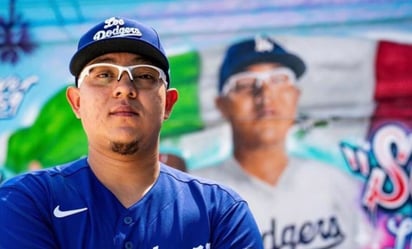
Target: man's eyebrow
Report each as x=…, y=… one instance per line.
x=142, y=61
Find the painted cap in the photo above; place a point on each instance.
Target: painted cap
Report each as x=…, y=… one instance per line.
x=261, y=49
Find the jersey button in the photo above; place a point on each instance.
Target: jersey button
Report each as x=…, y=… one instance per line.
x=127, y=220
x=128, y=245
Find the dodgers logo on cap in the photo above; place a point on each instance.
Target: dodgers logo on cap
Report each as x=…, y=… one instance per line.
x=114, y=28
x=263, y=45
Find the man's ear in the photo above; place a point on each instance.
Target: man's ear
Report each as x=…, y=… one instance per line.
x=171, y=98
x=222, y=105
x=73, y=97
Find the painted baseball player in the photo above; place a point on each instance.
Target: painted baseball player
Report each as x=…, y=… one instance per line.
x=120, y=195
x=297, y=203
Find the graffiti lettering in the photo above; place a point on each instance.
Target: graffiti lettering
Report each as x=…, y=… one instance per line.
x=385, y=165
x=387, y=184
x=401, y=231
x=12, y=91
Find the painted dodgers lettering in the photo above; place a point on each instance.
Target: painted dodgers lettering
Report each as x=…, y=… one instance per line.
x=325, y=232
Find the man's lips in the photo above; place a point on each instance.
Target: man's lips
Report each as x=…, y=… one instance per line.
x=123, y=111
x=267, y=113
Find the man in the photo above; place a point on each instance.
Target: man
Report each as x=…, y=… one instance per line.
x=120, y=195
x=296, y=203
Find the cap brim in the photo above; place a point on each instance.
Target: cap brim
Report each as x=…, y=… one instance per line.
x=116, y=45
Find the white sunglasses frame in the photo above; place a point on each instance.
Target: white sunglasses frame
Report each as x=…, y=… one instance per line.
x=261, y=76
x=86, y=70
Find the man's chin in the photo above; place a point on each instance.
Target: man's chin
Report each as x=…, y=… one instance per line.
x=125, y=148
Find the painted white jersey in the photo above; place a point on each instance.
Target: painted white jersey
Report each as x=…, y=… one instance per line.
x=313, y=206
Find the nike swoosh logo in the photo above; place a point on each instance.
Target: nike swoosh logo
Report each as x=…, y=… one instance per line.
x=61, y=214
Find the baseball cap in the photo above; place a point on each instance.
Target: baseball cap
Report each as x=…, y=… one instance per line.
x=260, y=49
x=118, y=34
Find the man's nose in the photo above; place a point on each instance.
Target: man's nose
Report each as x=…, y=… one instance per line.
x=265, y=93
x=262, y=87
x=125, y=86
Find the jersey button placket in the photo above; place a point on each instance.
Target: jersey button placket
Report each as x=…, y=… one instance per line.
x=127, y=220
x=127, y=226
x=128, y=245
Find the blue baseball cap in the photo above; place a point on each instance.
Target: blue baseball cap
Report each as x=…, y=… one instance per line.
x=261, y=49
x=117, y=34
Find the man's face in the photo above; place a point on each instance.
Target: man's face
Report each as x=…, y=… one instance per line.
x=260, y=103
x=123, y=115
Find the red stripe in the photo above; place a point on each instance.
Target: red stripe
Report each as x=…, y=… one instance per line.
x=393, y=89
x=393, y=70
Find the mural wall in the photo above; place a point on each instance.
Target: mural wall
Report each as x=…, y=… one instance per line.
x=355, y=110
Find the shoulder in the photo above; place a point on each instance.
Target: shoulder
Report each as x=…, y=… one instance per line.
x=322, y=174
x=317, y=168
x=223, y=208
x=37, y=192
x=45, y=178
x=198, y=185
x=227, y=172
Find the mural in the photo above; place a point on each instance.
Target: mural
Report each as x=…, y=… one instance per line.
x=355, y=110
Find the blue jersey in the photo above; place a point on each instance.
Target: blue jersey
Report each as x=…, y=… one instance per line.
x=67, y=207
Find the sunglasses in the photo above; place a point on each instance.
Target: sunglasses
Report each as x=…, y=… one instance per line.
x=251, y=82
x=143, y=76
